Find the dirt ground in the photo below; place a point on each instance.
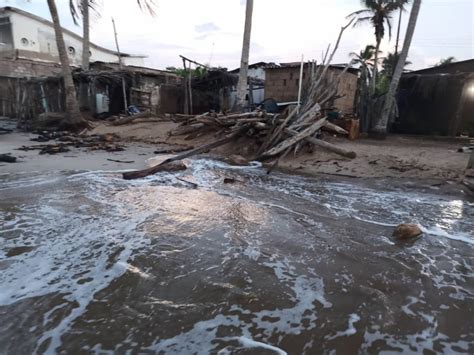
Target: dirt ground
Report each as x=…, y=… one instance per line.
x=396, y=156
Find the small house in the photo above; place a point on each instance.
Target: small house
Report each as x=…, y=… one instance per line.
x=282, y=84
x=437, y=100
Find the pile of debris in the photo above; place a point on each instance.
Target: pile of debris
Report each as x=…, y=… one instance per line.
x=65, y=140
x=276, y=134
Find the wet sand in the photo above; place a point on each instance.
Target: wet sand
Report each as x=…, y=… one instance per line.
x=430, y=161
x=75, y=159
x=397, y=156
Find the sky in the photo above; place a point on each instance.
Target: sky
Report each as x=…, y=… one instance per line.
x=210, y=31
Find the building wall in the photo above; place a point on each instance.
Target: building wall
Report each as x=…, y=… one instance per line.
x=24, y=68
x=33, y=38
x=281, y=84
x=428, y=104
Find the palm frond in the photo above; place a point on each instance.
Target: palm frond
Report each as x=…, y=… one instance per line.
x=148, y=6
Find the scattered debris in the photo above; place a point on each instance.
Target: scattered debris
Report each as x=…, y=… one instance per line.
x=19, y=250
x=122, y=161
x=5, y=130
x=93, y=142
x=192, y=184
x=229, y=180
x=173, y=150
x=466, y=149
x=7, y=158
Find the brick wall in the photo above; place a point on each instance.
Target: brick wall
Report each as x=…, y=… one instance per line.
x=281, y=84
x=24, y=68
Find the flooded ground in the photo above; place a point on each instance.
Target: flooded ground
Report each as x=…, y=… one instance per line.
x=269, y=265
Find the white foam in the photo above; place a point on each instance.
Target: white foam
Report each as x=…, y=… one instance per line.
x=459, y=236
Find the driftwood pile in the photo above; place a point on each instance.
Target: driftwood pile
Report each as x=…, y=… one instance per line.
x=276, y=134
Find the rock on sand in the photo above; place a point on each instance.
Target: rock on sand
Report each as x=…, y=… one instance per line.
x=407, y=231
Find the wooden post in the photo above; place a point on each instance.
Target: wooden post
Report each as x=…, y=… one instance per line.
x=185, y=86
x=300, y=83
x=124, y=90
x=190, y=78
x=251, y=95
x=470, y=164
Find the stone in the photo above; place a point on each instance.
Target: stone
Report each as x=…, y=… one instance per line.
x=407, y=231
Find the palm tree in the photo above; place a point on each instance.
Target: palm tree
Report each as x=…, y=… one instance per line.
x=389, y=64
x=446, y=61
x=390, y=101
x=84, y=6
x=244, y=62
x=365, y=56
x=73, y=119
x=379, y=14
x=362, y=97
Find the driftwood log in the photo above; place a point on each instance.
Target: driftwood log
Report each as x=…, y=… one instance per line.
x=169, y=167
x=165, y=165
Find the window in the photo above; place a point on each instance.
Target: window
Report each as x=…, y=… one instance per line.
x=291, y=76
x=71, y=51
x=297, y=82
x=284, y=82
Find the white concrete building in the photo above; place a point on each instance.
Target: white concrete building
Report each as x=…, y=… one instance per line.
x=255, y=71
x=27, y=36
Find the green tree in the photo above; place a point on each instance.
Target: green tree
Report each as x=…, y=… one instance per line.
x=362, y=98
x=389, y=64
x=379, y=14
x=445, y=61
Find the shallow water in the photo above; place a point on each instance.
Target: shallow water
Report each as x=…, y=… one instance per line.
x=270, y=264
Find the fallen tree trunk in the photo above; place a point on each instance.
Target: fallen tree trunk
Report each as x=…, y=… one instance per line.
x=329, y=146
x=160, y=167
x=169, y=166
x=130, y=119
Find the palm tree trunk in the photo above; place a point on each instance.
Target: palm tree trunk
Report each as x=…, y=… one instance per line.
x=390, y=100
x=83, y=87
x=398, y=31
x=376, y=63
x=73, y=120
x=242, y=84
x=85, y=37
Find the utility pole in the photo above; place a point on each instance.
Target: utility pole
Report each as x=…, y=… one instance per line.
x=120, y=67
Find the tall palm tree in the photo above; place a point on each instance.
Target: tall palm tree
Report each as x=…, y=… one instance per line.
x=83, y=7
x=390, y=101
x=362, y=97
x=73, y=119
x=244, y=62
x=379, y=14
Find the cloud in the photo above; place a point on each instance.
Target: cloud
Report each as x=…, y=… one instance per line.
x=201, y=37
x=207, y=27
